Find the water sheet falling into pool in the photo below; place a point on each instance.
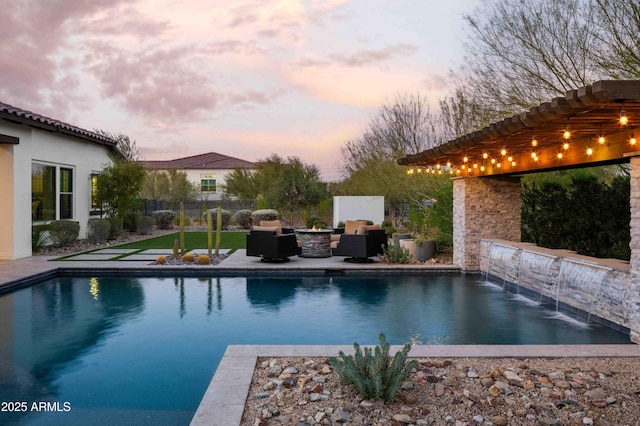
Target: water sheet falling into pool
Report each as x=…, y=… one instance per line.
x=582, y=283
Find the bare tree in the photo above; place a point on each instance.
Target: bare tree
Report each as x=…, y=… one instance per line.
x=618, y=26
x=523, y=52
x=127, y=146
x=405, y=126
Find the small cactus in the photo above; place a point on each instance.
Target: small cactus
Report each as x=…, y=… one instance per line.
x=175, y=248
x=161, y=260
x=188, y=258
x=203, y=259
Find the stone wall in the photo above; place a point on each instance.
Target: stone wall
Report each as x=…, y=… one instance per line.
x=487, y=207
x=633, y=301
x=585, y=288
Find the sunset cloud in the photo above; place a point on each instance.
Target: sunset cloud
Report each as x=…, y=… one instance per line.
x=245, y=78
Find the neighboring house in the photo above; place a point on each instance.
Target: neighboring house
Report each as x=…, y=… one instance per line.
x=208, y=171
x=47, y=172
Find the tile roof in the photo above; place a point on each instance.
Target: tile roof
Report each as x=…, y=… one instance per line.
x=208, y=161
x=22, y=116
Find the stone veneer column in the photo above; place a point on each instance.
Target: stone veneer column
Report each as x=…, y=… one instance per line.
x=486, y=207
x=634, y=264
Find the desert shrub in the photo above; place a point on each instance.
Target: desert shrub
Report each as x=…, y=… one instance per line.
x=164, y=218
x=315, y=221
x=396, y=254
x=188, y=258
x=264, y=214
x=226, y=218
x=115, y=227
x=388, y=227
x=242, y=218
x=63, y=232
x=374, y=374
x=341, y=224
x=98, y=230
x=203, y=259
x=187, y=221
x=129, y=221
x=144, y=224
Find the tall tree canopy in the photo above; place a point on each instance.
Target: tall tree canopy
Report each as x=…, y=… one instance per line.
x=287, y=185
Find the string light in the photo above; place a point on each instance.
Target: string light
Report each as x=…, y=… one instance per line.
x=559, y=155
x=567, y=132
x=589, y=151
x=510, y=159
x=503, y=151
x=624, y=120
x=448, y=163
x=465, y=159
x=482, y=168
x=485, y=155
x=534, y=141
x=493, y=161
x=632, y=141
x=601, y=139
x=565, y=146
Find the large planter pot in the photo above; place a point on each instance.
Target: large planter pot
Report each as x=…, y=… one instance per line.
x=398, y=237
x=422, y=251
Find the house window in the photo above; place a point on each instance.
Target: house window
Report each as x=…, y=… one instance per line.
x=208, y=182
x=43, y=192
x=51, y=192
x=95, y=202
x=66, y=193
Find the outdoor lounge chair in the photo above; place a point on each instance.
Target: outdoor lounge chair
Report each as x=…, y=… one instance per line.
x=271, y=245
x=360, y=247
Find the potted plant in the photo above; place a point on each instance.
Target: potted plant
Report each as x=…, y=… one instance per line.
x=423, y=244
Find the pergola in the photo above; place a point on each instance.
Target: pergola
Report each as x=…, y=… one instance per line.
x=590, y=126
x=593, y=125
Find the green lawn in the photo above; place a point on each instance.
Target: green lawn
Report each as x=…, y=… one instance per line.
x=192, y=240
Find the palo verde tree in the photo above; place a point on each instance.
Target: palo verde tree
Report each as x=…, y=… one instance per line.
x=286, y=185
x=170, y=185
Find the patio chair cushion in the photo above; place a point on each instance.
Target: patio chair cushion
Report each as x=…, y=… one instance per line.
x=362, y=229
x=277, y=229
x=351, y=226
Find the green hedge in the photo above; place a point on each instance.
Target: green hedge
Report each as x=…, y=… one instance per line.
x=587, y=215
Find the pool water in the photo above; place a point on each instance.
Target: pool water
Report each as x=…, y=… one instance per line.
x=143, y=350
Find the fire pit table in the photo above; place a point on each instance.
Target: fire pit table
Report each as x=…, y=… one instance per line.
x=315, y=242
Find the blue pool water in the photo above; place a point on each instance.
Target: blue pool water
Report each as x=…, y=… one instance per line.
x=143, y=350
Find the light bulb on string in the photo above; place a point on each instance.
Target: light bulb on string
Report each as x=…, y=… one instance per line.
x=503, y=151
x=601, y=139
x=465, y=159
x=632, y=141
x=565, y=146
x=589, y=151
x=559, y=155
x=534, y=141
x=624, y=120
x=485, y=155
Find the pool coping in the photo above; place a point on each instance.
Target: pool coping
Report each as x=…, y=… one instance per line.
x=225, y=398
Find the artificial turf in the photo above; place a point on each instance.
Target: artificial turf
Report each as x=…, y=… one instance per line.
x=192, y=240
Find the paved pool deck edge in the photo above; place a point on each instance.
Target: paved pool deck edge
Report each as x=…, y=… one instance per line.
x=224, y=400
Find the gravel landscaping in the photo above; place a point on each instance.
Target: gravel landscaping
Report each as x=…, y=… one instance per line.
x=454, y=391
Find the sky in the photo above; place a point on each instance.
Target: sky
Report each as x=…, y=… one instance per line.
x=244, y=78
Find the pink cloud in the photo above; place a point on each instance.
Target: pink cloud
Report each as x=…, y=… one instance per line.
x=31, y=35
x=368, y=56
x=154, y=83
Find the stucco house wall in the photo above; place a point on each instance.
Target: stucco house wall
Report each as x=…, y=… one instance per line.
x=62, y=146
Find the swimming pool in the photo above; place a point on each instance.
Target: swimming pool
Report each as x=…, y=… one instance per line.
x=142, y=350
